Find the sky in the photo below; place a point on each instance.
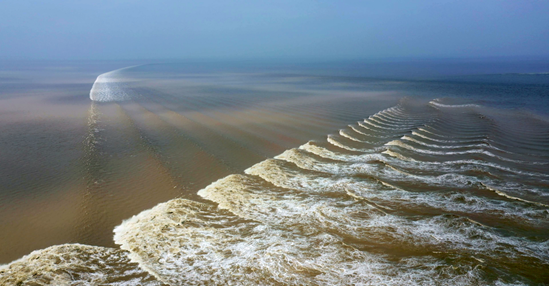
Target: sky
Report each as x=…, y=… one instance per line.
x=269, y=29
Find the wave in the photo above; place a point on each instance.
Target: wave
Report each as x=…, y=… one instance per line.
x=349, y=210
x=211, y=245
x=75, y=264
x=268, y=225
x=437, y=103
x=284, y=176
x=481, y=150
x=110, y=86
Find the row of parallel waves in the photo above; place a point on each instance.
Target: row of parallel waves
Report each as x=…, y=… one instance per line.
x=148, y=144
x=417, y=194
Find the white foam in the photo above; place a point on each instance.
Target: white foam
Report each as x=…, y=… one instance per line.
x=361, y=124
x=75, y=264
x=344, y=134
x=470, y=151
x=325, y=153
x=387, y=117
x=438, y=104
x=303, y=220
x=424, y=129
x=357, y=165
x=438, y=140
x=336, y=143
x=358, y=131
x=408, y=138
x=371, y=123
x=455, y=165
x=398, y=125
x=503, y=194
x=184, y=242
x=397, y=155
x=110, y=87
x=284, y=177
x=340, y=216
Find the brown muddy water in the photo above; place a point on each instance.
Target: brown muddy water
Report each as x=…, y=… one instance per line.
x=254, y=177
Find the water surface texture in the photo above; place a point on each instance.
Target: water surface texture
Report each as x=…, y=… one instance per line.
x=278, y=175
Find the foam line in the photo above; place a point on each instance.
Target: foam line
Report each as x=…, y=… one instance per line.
x=110, y=86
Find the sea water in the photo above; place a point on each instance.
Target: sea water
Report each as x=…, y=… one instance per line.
x=347, y=173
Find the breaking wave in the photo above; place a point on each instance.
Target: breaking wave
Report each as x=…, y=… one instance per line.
x=110, y=86
x=358, y=209
x=75, y=264
x=416, y=194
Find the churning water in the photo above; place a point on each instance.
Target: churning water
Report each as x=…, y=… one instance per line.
x=421, y=191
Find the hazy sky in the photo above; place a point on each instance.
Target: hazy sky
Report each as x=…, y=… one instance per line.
x=180, y=29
